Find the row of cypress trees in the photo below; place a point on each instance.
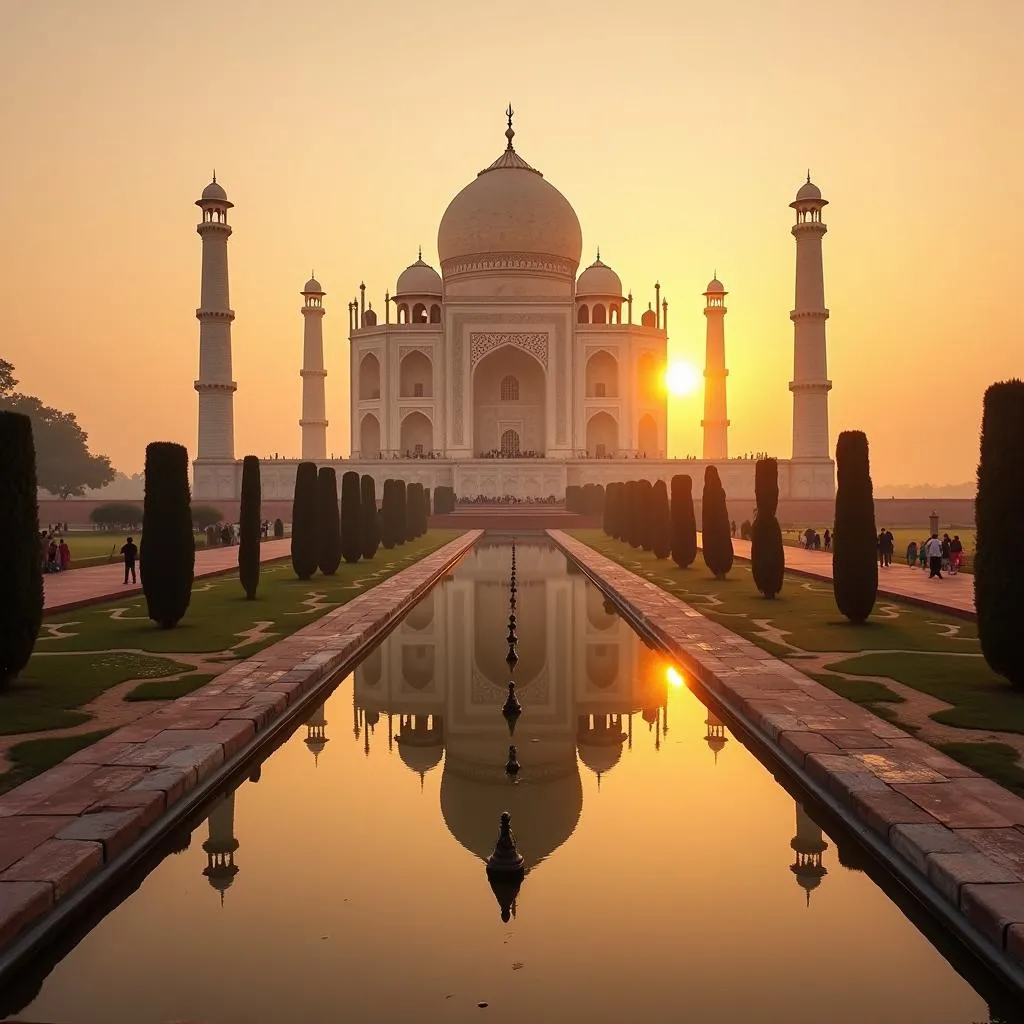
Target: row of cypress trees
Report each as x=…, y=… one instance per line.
x=322, y=537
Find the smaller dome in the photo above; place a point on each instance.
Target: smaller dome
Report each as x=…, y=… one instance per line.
x=370, y=318
x=421, y=758
x=418, y=279
x=715, y=287
x=649, y=318
x=808, y=190
x=599, y=279
x=600, y=757
x=312, y=287
x=215, y=191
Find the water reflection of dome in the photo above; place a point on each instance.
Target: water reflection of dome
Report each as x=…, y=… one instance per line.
x=544, y=811
x=599, y=742
x=420, y=742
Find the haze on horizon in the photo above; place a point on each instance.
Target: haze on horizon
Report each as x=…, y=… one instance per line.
x=679, y=132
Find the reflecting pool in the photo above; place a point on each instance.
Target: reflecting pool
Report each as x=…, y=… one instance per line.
x=670, y=876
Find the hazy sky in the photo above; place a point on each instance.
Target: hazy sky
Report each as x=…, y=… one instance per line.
x=679, y=131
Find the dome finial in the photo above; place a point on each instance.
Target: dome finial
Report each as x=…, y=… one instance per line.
x=215, y=175
x=808, y=175
x=599, y=254
x=509, y=133
x=419, y=253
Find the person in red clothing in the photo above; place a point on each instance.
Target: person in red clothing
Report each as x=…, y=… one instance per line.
x=64, y=554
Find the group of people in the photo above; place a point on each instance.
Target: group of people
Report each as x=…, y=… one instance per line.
x=499, y=453
x=814, y=541
x=937, y=555
x=55, y=553
x=507, y=499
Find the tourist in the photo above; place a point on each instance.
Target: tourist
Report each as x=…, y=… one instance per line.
x=64, y=554
x=922, y=554
x=129, y=552
x=912, y=554
x=956, y=554
x=890, y=547
x=52, y=558
x=828, y=540
x=881, y=548
x=733, y=524
x=946, y=551
x=933, y=549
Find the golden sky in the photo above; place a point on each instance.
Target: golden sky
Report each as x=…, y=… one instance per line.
x=679, y=132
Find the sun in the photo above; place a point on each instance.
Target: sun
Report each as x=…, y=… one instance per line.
x=681, y=379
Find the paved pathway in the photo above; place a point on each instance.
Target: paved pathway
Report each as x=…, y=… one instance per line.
x=65, y=590
x=948, y=832
x=951, y=593
x=69, y=823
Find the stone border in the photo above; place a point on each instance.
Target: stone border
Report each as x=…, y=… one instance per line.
x=956, y=840
x=69, y=834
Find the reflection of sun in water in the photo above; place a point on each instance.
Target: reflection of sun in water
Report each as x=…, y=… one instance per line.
x=681, y=379
x=673, y=678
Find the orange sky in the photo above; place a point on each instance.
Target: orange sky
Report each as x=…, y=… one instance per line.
x=679, y=131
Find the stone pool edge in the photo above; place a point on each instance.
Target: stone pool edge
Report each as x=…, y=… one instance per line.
x=174, y=759
x=959, y=850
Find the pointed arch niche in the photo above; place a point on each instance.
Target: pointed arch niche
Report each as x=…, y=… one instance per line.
x=369, y=437
x=369, y=377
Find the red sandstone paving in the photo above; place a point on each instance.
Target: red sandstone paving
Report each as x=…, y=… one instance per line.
x=100, y=582
x=963, y=832
x=98, y=802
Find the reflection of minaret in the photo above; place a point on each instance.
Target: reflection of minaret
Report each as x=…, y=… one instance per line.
x=809, y=846
x=715, y=737
x=220, y=848
x=316, y=733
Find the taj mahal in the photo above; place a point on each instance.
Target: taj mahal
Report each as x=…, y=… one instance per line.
x=508, y=372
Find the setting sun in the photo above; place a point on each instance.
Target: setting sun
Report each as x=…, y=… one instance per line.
x=672, y=677
x=681, y=379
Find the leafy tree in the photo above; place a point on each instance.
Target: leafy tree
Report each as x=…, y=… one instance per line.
x=998, y=585
x=117, y=514
x=401, y=512
x=64, y=464
x=329, y=533
x=351, y=517
x=21, y=580
x=249, y=518
x=167, y=551
x=854, y=547
x=206, y=515
x=369, y=536
x=278, y=529
x=305, y=544
x=684, y=522
x=386, y=520
x=717, y=533
x=767, y=559
x=661, y=521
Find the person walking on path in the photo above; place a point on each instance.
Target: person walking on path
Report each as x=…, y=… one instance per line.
x=828, y=540
x=956, y=554
x=890, y=547
x=933, y=549
x=881, y=548
x=64, y=554
x=912, y=554
x=130, y=553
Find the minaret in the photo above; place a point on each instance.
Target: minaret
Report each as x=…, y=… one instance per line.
x=810, y=384
x=220, y=848
x=808, y=846
x=715, y=737
x=215, y=386
x=314, y=400
x=715, y=422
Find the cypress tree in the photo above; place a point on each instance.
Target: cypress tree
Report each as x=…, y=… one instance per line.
x=328, y=528
x=998, y=584
x=767, y=559
x=21, y=578
x=167, y=552
x=629, y=522
x=609, y=510
x=305, y=546
x=855, y=547
x=386, y=520
x=413, y=502
x=426, y=506
x=574, y=498
x=684, y=522
x=661, y=522
x=644, y=511
x=369, y=535
x=249, y=527
x=401, y=512
x=716, y=530
x=351, y=517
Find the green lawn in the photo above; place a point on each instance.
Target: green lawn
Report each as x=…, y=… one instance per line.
x=82, y=653
x=901, y=642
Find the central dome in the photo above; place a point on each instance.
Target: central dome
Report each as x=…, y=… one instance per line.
x=510, y=210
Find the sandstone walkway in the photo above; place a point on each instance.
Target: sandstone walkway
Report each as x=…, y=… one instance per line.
x=66, y=590
x=953, y=836
x=951, y=593
x=67, y=825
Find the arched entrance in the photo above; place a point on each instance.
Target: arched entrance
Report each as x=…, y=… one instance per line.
x=602, y=436
x=415, y=376
x=369, y=436
x=369, y=377
x=509, y=397
x=647, y=437
x=417, y=437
